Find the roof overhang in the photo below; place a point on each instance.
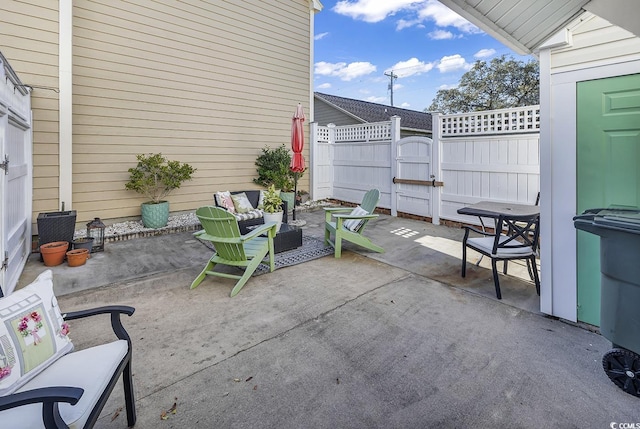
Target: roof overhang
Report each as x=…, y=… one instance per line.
x=525, y=25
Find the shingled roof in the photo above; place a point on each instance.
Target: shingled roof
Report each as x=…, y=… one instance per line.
x=374, y=112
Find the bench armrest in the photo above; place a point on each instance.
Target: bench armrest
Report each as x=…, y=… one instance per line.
x=114, y=310
x=49, y=397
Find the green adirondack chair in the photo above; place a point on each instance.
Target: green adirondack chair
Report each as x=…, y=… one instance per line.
x=350, y=223
x=231, y=248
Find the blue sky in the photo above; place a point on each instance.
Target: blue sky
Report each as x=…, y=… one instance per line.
x=427, y=46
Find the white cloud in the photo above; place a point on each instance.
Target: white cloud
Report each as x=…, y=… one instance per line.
x=484, y=53
x=440, y=35
x=446, y=86
x=324, y=86
x=445, y=17
x=410, y=67
x=453, y=63
x=320, y=36
x=372, y=10
x=397, y=86
x=405, y=105
x=401, y=24
x=344, y=71
x=415, y=12
x=379, y=100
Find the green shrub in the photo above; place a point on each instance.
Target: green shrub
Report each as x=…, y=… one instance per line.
x=273, y=169
x=155, y=176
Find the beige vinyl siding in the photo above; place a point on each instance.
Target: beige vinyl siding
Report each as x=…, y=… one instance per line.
x=208, y=83
x=29, y=41
x=595, y=42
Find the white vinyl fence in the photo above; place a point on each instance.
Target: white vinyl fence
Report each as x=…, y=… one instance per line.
x=492, y=155
x=15, y=177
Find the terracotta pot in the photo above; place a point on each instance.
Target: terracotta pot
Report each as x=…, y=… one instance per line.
x=53, y=253
x=77, y=257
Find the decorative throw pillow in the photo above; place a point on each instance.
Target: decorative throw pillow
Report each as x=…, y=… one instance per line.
x=33, y=334
x=241, y=203
x=261, y=201
x=354, y=224
x=223, y=199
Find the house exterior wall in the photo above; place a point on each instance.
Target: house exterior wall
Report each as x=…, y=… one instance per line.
x=29, y=35
x=595, y=42
x=206, y=83
x=560, y=70
x=325, y=114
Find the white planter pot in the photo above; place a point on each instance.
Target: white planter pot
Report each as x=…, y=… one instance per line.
x=273, y=217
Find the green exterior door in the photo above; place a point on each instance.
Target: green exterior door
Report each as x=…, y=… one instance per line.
x=608, y=169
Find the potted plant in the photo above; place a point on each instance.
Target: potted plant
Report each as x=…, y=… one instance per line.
x=155, y=177
x=273, y=169
x=272, y=204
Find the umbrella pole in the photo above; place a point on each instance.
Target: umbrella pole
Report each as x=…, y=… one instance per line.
x=295, y=193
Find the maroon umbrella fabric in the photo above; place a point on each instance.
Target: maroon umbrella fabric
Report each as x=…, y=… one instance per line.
x=297, y=140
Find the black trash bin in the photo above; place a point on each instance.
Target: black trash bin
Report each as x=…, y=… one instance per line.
x=619, y=231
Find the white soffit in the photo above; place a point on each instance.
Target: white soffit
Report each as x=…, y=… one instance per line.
x=623, y=13
x=522, y=25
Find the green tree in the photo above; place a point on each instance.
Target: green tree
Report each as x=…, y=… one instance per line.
x=500, y=84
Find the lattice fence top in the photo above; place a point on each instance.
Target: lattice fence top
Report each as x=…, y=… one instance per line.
x=364, y=132
x=516, y=120
x=322, y=134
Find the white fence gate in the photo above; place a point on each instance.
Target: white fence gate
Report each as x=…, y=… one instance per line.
x=349, y=160
x=15, y=177
x=492, y=155
x=415, y=178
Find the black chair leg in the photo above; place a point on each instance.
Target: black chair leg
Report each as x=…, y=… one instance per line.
x=494, y=268
x=464, y=259
x=534, y=268
x=504, y=267
x=129, y=400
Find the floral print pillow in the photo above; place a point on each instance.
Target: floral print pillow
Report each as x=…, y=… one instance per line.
x=32, y=333
x=241, y=203
x=223, y=199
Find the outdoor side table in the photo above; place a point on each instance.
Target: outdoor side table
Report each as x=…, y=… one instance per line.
x=288, y=238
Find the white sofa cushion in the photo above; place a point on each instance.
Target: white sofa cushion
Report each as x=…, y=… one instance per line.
x=33, y=334
x=253, y=214
x=90, y=369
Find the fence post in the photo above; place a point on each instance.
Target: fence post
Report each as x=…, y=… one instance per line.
x=395, y=137
x=332, y=142
x=436, y=166
x=313, y=161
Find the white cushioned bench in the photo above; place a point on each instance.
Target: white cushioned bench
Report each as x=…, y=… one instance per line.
x=43, y=382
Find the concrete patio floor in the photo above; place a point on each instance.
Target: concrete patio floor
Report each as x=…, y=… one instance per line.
x=392, y=340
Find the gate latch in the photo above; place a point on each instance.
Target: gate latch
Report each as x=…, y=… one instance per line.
x=5, y=164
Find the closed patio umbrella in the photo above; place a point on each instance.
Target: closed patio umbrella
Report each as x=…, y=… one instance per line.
x=297, y=144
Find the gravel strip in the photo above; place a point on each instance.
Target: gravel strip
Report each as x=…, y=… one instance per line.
x=178, y=223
